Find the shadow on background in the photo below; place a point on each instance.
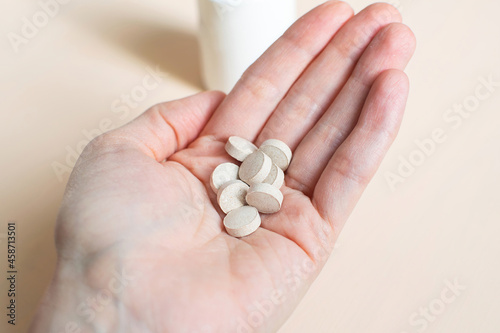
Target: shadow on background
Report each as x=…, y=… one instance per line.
x=173, y=49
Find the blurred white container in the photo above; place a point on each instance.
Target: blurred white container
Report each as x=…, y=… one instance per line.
x=234, y=33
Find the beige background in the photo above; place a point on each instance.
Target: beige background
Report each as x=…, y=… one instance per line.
x=400, y=246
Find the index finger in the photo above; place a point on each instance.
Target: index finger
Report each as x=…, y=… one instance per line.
x=257, y=94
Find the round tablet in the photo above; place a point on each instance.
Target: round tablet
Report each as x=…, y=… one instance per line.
x=242, y=222
x=232, y=195
x=278, y=151
x=276, y=177
x=239, y=148
x=222, y=174
x=255, y=168
x=265, y=197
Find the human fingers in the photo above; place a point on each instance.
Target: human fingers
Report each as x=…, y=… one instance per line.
x=392, y=48
x=315, y=90
x=261, y=88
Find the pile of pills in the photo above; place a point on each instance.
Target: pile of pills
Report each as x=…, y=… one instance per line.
x=253, y=187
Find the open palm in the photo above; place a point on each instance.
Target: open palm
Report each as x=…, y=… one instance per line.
x=139, y=205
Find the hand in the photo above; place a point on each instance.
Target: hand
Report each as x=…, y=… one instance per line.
x=140, y=240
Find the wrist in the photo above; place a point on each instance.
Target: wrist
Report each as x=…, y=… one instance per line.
x=72, y=304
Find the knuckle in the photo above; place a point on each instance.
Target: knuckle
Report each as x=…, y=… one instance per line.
x=330, y=133
x=259, y=86
x=346, y=168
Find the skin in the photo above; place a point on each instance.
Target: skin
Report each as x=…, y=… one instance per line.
x=139, y=205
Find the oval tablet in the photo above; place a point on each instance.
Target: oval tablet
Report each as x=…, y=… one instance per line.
x=255, y=168
x=232, y=195
x=242, y=222
x=276, y=177
x=265, y=197
x=222, y=174
x=278, y=151
x=239, y=148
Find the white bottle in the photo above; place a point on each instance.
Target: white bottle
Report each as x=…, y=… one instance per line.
x=234, y=33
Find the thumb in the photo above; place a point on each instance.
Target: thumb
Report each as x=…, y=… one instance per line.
x=171, y=126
